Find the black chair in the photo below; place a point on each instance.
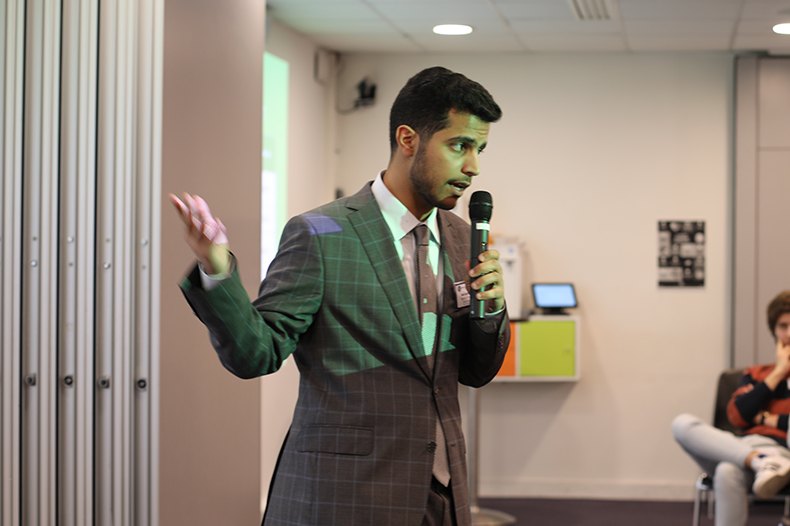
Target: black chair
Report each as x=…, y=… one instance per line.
x=728, y=383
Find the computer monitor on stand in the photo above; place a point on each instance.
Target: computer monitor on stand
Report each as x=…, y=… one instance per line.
x=553, y=298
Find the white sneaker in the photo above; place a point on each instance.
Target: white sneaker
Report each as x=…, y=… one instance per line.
x=772, y=475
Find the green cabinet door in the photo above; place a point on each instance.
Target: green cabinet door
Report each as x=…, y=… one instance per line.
x=548, y=348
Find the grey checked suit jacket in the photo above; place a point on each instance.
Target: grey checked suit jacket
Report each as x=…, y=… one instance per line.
x=361, y=444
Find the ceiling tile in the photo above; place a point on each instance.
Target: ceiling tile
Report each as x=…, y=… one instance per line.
x=759, y=26
x=767, y=8
x=591, y=43
x=515, y=9
x=680, y=9
x=537, y=25
x=331, y=10
x=456, y=14
x=570, y=27
x=657, y=26
x=502, y=42
x=370, y=29
x=419, y=26
x=678, y=43
x=366, y=44
x=755, y=42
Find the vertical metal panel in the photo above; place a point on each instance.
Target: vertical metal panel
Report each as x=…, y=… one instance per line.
x=48, y=262
x=78, y=262
x=31, y=255
x=124, y=255
x=69, y=276
x=153, y=31
x=10, y=264
x=78, y=272
x=106, y=311
x=117, y=229
x=146, y=339
x=67, y=411
x=39, y=265
x=125, y=251
x=67, y=447
x=88, y=60
x=39, y=261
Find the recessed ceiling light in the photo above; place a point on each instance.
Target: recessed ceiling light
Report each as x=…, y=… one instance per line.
x=452, y=29
x=782, y=29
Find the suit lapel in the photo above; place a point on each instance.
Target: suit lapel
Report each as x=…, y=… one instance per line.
x=453, y=247
x=377, y=241
x=453, y=259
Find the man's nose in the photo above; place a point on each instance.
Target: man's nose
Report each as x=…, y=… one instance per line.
x=472, y=164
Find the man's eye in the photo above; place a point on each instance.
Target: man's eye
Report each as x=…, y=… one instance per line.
x=457, y=146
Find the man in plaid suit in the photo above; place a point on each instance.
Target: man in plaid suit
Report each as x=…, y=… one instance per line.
x=376, y=435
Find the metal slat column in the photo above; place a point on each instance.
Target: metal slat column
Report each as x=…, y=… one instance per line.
x=40, y=262
x=47, y=246
x=12, y=33
x=149, y=82
x=129, y=156
x=117, y=180
x=31, y=250
x=106, y=308
x=79, y=256
x=77, y=301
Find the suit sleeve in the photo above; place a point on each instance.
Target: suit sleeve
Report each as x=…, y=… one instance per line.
x=481, y=360
x=254, y=338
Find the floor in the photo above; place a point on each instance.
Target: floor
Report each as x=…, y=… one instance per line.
x=562, y=512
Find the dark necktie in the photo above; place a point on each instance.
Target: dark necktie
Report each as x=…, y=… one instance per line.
x=428, y=309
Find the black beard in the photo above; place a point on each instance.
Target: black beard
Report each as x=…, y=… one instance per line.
x=419, y=182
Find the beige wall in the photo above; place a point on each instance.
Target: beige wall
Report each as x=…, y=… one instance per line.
x=761, y=218
x=311, y=183
x=593, y=150
x=211, y=145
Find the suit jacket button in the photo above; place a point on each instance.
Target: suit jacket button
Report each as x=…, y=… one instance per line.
x=431, y=446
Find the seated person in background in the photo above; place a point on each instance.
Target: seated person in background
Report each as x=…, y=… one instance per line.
x=758, y=456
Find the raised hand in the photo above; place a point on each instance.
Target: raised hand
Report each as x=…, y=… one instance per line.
x=206, y=234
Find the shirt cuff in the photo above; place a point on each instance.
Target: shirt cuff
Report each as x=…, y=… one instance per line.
x=491, y=322
x=492, y=314
x=211, y=281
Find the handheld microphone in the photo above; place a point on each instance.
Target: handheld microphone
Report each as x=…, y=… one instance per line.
x=480, y=208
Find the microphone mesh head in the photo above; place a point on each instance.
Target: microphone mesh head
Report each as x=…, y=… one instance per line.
x=480, y=206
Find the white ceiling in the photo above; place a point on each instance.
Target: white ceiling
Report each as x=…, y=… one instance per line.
x=538, y=25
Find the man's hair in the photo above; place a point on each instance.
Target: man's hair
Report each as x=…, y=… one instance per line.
x=778, y=306
x=427, y=98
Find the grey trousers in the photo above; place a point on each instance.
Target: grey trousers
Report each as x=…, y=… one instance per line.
x=441, y=509
x=721, y=454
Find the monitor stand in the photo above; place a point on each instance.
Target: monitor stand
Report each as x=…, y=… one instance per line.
x=554, y=311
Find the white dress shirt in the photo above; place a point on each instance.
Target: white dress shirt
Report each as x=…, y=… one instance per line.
x=401, y=222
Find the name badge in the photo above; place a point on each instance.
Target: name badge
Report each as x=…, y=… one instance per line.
x=462, y=298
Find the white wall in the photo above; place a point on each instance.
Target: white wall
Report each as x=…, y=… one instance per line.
x=311, y=182
x=591, y=152
x=211, y=137
x=311, y=121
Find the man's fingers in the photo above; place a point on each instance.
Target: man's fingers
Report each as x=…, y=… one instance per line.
x=180, y=206
x=194, y=211
x=202, y=208
x=222, y=234
x=201, y=224
x=187, y=215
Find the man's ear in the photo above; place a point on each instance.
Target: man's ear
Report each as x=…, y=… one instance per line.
x=408, y=140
